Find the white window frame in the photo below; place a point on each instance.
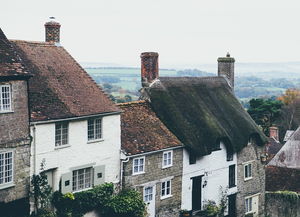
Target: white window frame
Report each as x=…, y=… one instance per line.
x=167, y=159
x=248, y=175
x=97, y=132
x=148, y=195
x=248, y=205
x=2, y=110
x=4, y=170
x=87, y=182
x=61, y=133
x=138, y=165
x=164, y=189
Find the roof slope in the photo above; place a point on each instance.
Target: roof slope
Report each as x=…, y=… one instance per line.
x=142, y=131
x=201, y=112
x=60, y=88
x=289, y=154
x=10, y=62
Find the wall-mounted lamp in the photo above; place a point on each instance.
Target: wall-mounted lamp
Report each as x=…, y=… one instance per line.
x=204, y=183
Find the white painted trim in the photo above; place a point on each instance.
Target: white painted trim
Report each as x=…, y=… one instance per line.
x=75, y=118
x=169, y=165
x=167, y=195
x=11, y=183
x=244, y=169
x=144, y=165
x=152, y=152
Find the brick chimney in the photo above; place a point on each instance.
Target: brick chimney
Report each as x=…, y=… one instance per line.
x=52, y=28
x=149, y=67
x=274, y=132
x=226, y=68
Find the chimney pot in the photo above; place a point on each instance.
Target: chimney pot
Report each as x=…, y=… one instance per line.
x=273, y=131
x=226, y=68
x=149, y=67
x=52, y=28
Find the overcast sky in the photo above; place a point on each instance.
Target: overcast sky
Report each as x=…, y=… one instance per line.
x=184, y=32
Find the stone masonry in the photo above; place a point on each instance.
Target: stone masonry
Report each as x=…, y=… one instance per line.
x=14, y=135
x=168, y=207
x=256, y=185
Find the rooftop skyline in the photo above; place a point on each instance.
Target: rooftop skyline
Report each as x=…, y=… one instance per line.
x=184, y=33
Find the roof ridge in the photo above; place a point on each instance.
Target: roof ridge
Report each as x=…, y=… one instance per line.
x=50, y=44
x=136, y=102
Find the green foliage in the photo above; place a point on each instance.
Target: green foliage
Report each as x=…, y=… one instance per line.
x=291, y=196
x=212, y=209
x=44, y=212
x=41, y=191
x=265, y=112
x=101, y=198
x=127, y=203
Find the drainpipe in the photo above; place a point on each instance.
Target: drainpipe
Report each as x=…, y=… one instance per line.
x=34, y=149
x=122, y=167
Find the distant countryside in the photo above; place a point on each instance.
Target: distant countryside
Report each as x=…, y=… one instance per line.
x=261, y=80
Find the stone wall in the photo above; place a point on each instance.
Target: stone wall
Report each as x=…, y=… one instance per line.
x=14, y=136
x=14, y=126
x=154, y=173
x=282, y=205
x=254, y=186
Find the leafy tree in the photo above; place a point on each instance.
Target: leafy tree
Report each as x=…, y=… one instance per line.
x=41, y=192
x=265, y=112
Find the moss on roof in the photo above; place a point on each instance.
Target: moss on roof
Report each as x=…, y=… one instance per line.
x=202, y=112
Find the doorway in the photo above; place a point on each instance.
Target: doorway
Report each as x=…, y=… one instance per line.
x=196, y=192
x=149, y=199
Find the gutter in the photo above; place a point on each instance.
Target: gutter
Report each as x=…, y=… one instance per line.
x=122, y=166
x=75, y=118
x=153, y=152
x=34, y=148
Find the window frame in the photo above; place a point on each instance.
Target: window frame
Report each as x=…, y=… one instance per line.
x=169, y=164
x=138, y=165
x=95, y=132
x=165, y=189
x=147, y=194
x=61, y=134
x=248, y=205
x=9, y=98
x=248, y=174
x=4, y=170
x=76, y=188
x=232, y=180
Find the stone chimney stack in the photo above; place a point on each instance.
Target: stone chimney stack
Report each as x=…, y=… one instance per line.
x=149, y=67
x=274, y=132
x=226, y=68
x=52, y=28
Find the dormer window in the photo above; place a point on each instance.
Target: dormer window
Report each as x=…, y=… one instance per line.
x=5, y=98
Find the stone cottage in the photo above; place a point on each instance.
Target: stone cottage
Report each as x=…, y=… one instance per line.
x=14, y=132
x=75, y=128
x=204, y=114
x=152, y=161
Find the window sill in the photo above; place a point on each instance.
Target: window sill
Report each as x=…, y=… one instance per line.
x=85, y=189
x=95, y=141
x=61, y=147
x=140, y=173
x=7, y=185
x=247, y=179
x=166, y=197
x=164, y=167
x=5, y=112
x=232, y=186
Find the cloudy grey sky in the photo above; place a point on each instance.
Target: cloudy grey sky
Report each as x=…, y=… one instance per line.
x=185, y=32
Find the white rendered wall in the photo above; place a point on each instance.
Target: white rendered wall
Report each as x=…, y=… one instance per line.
x=79, y=152
x=215, y=170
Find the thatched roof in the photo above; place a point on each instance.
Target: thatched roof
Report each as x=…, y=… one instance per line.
x=202, y=112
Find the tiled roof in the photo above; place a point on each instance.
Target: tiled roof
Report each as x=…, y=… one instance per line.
x=10, y=62
x=142, y=131
x=273, y=146
x=201, y=111
x=60, y=87
x=279, y=179
x=289, y=154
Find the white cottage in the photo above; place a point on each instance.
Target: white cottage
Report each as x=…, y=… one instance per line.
x=204, y=114
x=75, y=128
